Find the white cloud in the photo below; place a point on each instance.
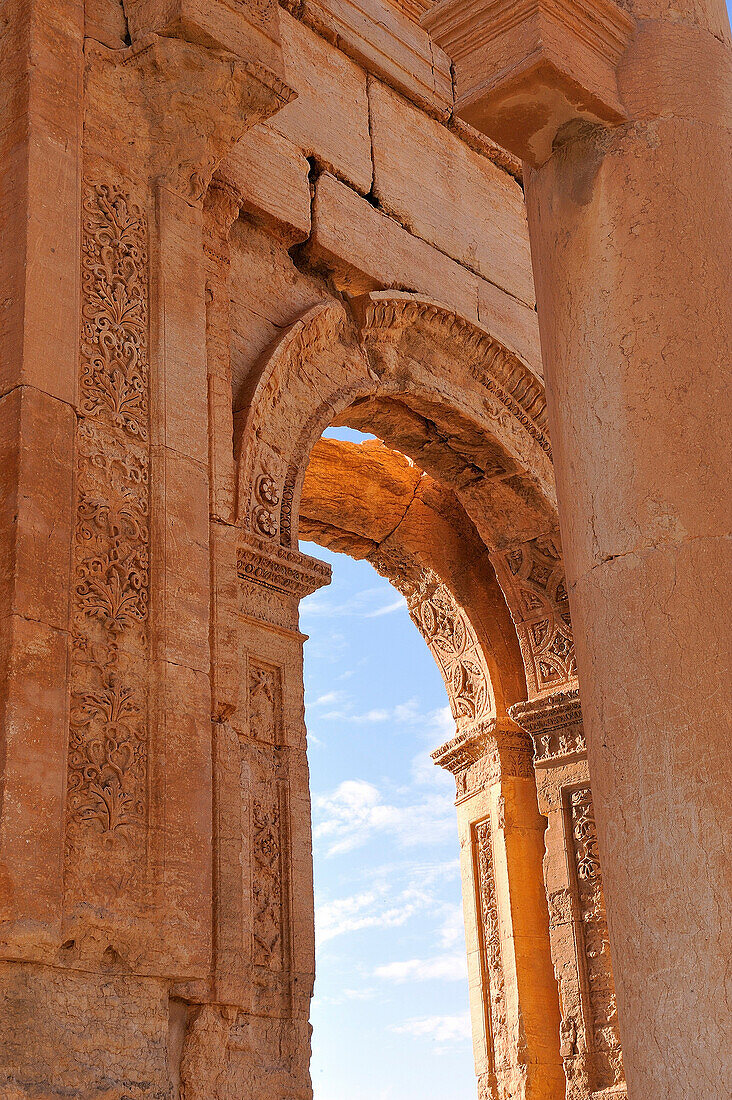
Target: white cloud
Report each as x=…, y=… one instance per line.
x=370, y=909
x=388, y=609
x=357, y=604
x=355, y=812
x=447, y=968
x=441, y=1029
x=324, y=700
x=379, y=904
x=452, y=931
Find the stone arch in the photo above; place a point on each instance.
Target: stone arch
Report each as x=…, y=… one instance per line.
x=485, y=405
x=445, y=394
x=414, y=531
x=443, y=391
x=432, y=555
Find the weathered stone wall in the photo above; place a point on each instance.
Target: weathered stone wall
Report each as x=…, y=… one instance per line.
x=203, y=210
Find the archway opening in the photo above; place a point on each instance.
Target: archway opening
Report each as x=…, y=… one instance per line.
x=390, y=1012
x=464, y=500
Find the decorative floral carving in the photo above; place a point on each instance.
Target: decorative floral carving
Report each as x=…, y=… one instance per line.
x=449, y=634
x=606, y=1058
x=532, y=578
x=264, y=515
x=112, y=566
x=585, y=835
x=266, y=491
x=107, y=757
x=114, y=371
x=266, y=764
x=107, y=761
x=267, y=885
x=493, y=980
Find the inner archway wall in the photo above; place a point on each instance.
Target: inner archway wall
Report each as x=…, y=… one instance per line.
x=416, y=534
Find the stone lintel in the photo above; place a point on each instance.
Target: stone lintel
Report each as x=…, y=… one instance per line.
x=271, y=566
x=555, y=725
x=525, y=70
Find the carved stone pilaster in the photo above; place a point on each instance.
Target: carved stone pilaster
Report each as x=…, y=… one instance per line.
x=590, y=1037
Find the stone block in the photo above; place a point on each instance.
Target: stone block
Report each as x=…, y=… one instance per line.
x=338, y=137
x=66, y=1033
x=388, y=44
x=516, y=325
x=446, y=193
x=179, y=416
x=181, y=781
x=366, y=250
x=34, y=714
x=224, y=633
x=39, y=328
x=180, y=538
x=270, y=176
x=36, y=505
x=249, y=29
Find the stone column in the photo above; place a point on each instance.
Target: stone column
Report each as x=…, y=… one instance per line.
x=590, y=1036
x=616, y=114
x=513, y=995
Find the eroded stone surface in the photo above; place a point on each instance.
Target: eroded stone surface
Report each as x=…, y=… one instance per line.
x=224, y=230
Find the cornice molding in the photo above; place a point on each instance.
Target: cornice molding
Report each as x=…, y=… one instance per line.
x=555, y=725
x=525, y=70
x=278, y=569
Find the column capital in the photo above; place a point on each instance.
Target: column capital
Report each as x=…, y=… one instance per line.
x=279, y=569
x=525, y=70
x=483, y=753
x=167, y=109
x=555, y=725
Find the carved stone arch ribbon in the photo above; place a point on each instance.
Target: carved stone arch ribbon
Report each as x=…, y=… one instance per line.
x=448, y=632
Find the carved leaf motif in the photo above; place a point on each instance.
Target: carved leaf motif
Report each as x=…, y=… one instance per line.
x=114, y=374
x=452, y=640
x=494, y=985
x=112, y=571
x=607, y=1061
x=107, y=757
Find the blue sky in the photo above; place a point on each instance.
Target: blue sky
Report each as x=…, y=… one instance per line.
x=390, y=1013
